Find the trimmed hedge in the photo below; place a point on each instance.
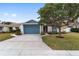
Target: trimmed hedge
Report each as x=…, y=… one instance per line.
x=74, y=29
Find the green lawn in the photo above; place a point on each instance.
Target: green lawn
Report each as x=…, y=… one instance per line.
x=69, y=42
x=4, y=36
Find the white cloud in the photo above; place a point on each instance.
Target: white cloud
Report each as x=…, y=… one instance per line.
x=13, y=15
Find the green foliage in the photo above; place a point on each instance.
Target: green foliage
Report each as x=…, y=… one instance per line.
x=74, y=29
x=56, y=13
x=73, y=10
x=59, y=14
x=42, y=33
x=18, y=32
x=11, y=29
x=52, y=13
x=50, y=33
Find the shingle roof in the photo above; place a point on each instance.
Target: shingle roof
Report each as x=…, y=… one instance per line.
x=31, y=21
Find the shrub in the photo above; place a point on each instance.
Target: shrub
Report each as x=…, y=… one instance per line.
x=18, y=32
x=42, y=33
x=10, y=29
x=55, y=32
x=74, y=29
x=50, y=33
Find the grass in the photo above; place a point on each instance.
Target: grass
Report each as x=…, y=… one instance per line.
x=4, y=36
x=69, y=42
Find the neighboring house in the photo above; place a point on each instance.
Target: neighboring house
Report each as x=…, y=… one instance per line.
x=7, y=27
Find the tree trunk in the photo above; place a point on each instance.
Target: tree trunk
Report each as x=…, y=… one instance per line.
x=60, y=33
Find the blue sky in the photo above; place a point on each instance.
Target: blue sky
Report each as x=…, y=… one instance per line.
x=19, y=12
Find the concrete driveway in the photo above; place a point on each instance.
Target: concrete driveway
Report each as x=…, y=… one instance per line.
x=29, y=45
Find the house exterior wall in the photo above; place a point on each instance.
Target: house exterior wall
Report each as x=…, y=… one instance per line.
x=64, y=29
x=41, y=28
x=14, y=28
x=55, y=29
x=5, y=29
x=49, y=28
x=22, y=28
x=0, y=30
x=68, y=29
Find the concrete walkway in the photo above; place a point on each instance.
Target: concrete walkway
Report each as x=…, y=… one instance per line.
x=30, y=45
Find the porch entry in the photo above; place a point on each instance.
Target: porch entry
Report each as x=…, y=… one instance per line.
x=45, y=29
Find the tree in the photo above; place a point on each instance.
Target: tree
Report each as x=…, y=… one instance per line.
x=73, y=12
x=58, y=14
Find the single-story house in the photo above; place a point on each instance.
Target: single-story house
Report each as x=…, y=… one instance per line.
x=33, y=27
x=7, y=27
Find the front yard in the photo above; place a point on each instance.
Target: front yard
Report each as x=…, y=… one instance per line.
x=69, y=42
x=4, y=36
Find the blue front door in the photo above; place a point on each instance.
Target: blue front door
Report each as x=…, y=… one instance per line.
x=31, y=29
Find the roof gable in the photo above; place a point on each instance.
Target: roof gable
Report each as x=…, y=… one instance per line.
x=31, y=21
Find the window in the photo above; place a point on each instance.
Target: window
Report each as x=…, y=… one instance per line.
x=0, y=28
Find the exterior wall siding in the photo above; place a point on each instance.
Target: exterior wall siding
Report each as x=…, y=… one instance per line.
x=5, y=29
x=64, y=30
x=14, y=28
x=49, y=28
x=22, y=28
x=54, y=29
x=41, y=28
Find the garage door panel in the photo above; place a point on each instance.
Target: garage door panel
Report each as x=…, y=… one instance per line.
x=31, y=29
